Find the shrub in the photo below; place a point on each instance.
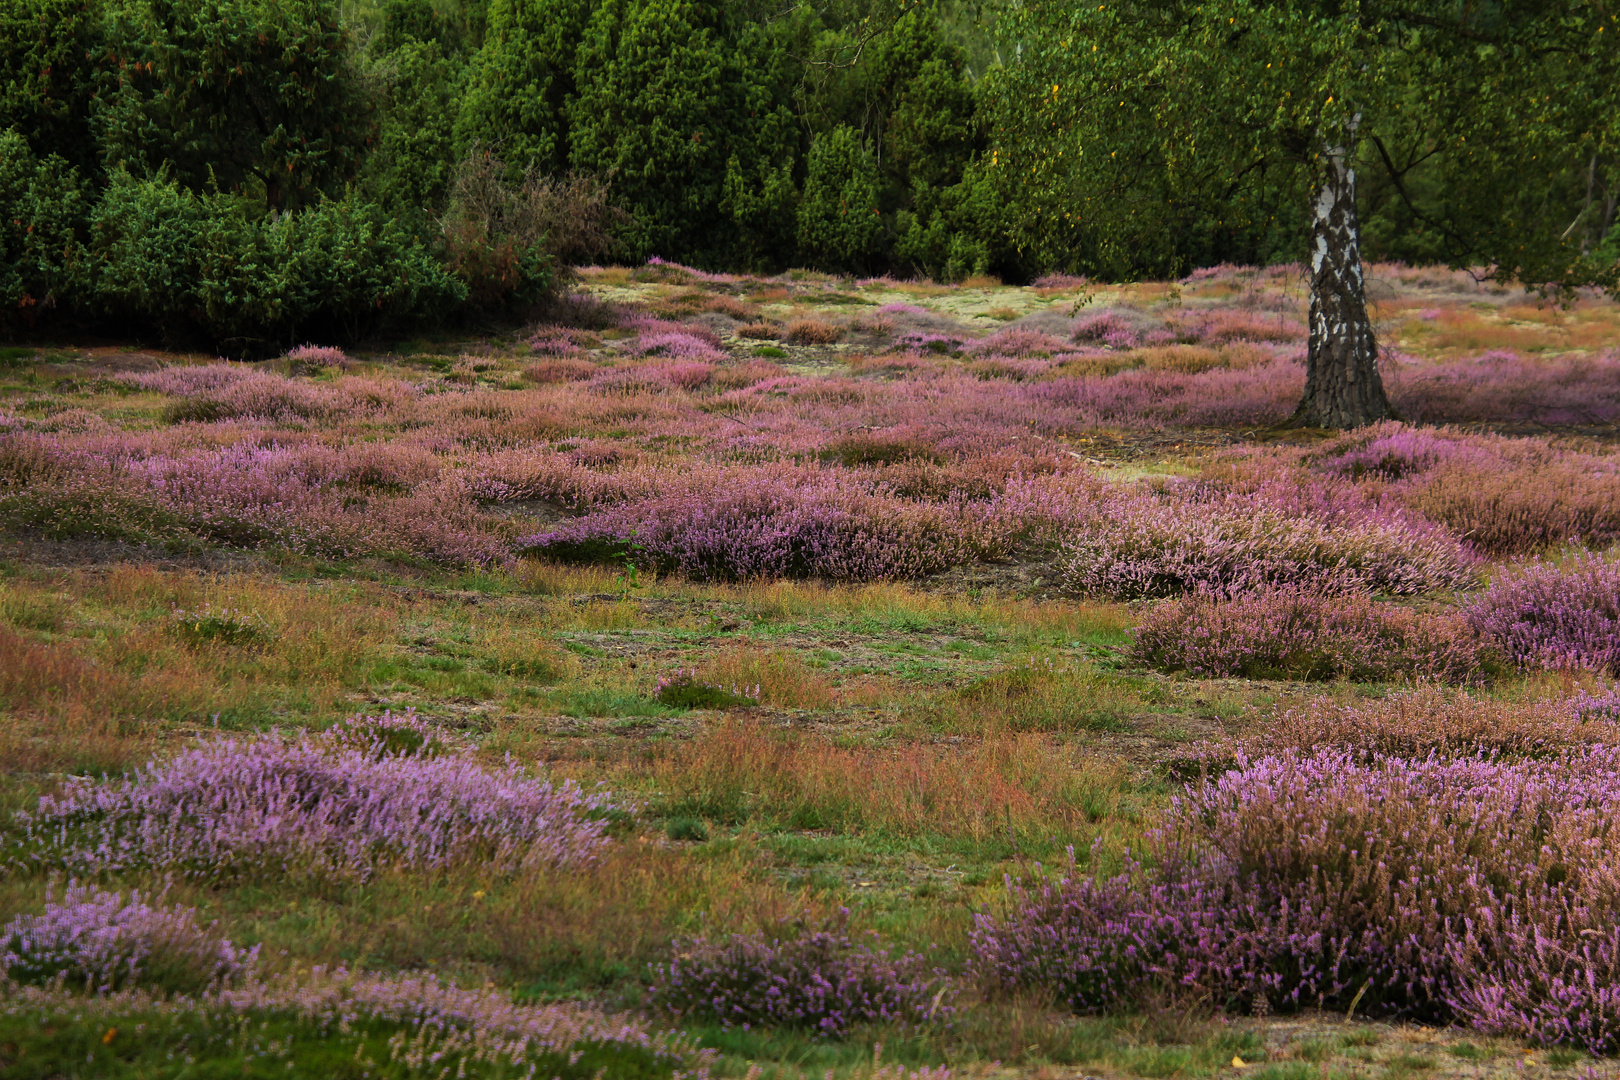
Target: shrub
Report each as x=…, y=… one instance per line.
x=314, y=358
x=684, y=690
x=813, y=332
x=1140, y=545
x=1564, y=619
x=819, y=979
x=1296, y=632
x=204, y=264
x=778, y=523
x=325, y=807
x=1506, y=495
x=101, y=942
x=1333, y=879
x=840, y=227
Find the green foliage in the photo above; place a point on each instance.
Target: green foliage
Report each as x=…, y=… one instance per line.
x=522, y=79
x=47, y=74
x=188, y=264
x=255, y=97
x=409, y=169
x=659, y=110
x=43, y=207
x=1154, y=134
x=840, y=225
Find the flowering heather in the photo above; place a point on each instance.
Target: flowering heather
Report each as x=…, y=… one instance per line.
x=1296, y=632
x=818, y=979
x=1109, y=329
x=315, y=806
x=774, y=523
x=437, y=1029
x=102, y=942
x=1146, y=546
x=1018, y=342
x=677, y=344
x=1561, y=618
x=1330, y=878
x=921, y=342
x=318, y=357
x=553, y=341
x=560, y=370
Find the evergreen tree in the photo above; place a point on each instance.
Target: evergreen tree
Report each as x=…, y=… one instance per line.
x=840, y=225
x=47, y=74
x=251, y=96
x=517, y=98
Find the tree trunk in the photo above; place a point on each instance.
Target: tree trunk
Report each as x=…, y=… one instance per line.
x=1342, y=387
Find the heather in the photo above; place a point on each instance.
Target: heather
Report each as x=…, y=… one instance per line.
x=860, y=596
x=1303, y=633
x=1428, y=720
x=338, y=806
x=1557, y=617
x=1469, y=891
x=103, y=942
x=1142, y=545
x=812, y=977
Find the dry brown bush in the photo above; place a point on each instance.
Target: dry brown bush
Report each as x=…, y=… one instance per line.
x=813, y=332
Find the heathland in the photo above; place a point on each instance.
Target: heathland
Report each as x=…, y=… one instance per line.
x=747, y=673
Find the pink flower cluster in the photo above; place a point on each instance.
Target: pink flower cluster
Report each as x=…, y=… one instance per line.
x=102, y=942
x=323, y=806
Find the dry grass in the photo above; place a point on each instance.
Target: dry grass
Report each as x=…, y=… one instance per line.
x=782, y=678
x=730, y=305
x=1431, y=720
x=760, y=331
x=1025, y=786
x=813, y=332
x=1043, y=694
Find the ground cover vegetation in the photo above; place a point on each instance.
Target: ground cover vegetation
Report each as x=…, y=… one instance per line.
x=778, y=674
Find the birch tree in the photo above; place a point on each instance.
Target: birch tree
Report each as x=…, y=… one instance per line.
x=1202, y=99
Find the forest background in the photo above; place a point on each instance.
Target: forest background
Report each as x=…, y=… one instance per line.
x=247, y=174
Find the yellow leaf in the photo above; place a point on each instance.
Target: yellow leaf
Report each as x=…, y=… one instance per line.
x=1239, y=1063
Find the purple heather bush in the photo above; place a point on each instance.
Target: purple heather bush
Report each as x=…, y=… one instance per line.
x=1431, y=720
x=102, y=942
x=323, y=806
x=1563, y=618
x=772, y=523
x=1147, y=545
x=1428, y=888
x=820, y=979
x=1301, y=632
x=1109, y=329
x=317, y=357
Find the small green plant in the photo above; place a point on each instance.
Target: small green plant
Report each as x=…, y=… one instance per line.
x=223, y=625
x=771, y=352
x=627, y=556
x=684, y=690
x=687, y=828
